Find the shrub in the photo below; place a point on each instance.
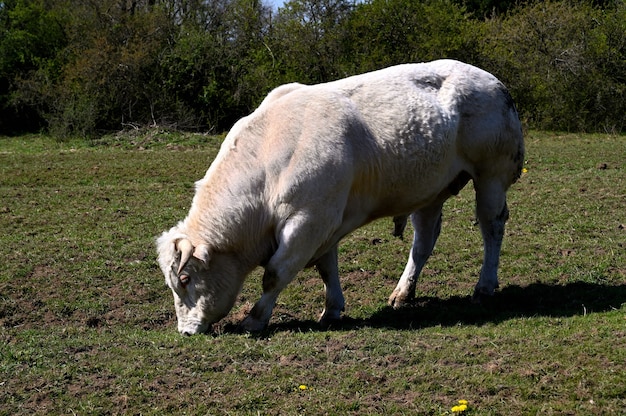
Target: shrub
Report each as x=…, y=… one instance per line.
x=383, y=33
x=564, y=63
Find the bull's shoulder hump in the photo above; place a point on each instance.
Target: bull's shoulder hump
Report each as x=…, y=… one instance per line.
x=280, y=92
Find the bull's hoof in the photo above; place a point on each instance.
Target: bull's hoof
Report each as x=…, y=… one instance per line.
x=331, y=317
x=249, y=324
x=330, y=322
x=482, y=295
x=398, y=300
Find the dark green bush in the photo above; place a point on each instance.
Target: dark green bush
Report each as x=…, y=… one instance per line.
x=31, y=39
x=388, y=32
x=564, y=62
x=78, y=67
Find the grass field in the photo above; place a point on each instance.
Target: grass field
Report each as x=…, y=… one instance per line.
x=87, y=325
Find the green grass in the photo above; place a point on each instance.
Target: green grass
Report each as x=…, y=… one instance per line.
x=87, y=324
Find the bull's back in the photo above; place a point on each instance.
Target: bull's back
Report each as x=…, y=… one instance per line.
x=433, y=122
x=401, y=134
x=411, y=136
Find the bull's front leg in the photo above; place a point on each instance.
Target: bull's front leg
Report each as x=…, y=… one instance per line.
x=261, y=313
x=427, y=226
x=297, y=242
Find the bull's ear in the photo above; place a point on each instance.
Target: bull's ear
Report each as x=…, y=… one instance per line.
x=202, y=253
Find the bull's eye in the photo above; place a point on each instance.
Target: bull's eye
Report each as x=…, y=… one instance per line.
x=184, y=279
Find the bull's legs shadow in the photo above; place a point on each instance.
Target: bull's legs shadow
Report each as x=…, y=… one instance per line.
x=537, y=299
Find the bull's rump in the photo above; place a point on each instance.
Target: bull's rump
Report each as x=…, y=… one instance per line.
x=386, y=142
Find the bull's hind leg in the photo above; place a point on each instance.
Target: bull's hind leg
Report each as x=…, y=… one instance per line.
x=335, y=303
x=427, y=226
x=399, y=224
x=492, y=213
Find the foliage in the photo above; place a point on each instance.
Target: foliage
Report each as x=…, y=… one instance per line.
x=308, y=39
x=87, y=325
x=487, y=8
x=31, y=37
x=387, y=32
x=89, y=67
x=564, y=63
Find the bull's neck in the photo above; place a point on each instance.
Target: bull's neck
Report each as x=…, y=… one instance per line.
x=228, y=215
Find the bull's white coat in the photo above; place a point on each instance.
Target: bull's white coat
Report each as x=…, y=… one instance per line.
x=313, y=163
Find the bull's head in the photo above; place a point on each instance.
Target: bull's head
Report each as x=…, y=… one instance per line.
x=200, y=282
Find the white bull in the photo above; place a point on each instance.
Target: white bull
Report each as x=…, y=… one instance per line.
x=313, y=163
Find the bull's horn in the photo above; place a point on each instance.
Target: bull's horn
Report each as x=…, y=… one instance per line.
x=186, y=249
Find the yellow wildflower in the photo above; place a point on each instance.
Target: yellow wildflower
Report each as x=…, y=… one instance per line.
x=302, y=387
x=524, y=170
x=461, y=407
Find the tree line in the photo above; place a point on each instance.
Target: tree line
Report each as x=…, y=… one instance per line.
x=86, y=67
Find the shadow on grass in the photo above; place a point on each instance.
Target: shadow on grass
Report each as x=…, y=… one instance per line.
x=537, y=299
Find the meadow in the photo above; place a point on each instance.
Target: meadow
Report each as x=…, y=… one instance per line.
x=87, y=325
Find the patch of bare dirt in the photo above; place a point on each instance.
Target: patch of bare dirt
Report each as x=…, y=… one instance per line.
x=46, y=297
